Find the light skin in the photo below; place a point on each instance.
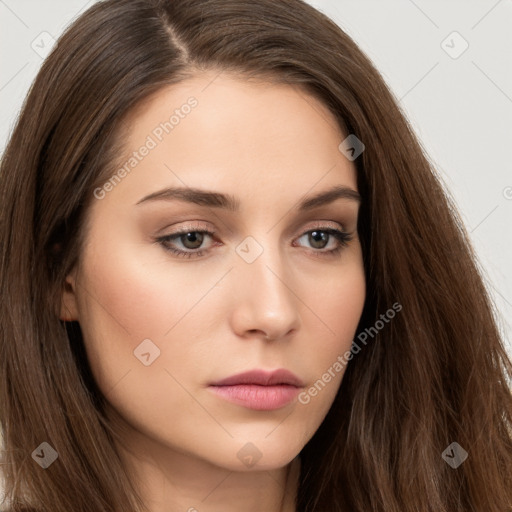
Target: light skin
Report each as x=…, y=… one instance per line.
x=295, y=306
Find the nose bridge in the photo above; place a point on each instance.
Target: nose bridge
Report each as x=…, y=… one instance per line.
x=264, y=297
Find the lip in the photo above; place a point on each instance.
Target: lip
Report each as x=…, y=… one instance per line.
x=262, y=378
x=259, y=389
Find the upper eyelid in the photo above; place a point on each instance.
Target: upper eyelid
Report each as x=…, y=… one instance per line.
x=312, y=225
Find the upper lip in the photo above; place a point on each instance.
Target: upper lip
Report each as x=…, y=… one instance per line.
x=261, y=378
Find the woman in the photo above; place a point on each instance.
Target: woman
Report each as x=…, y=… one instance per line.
x=232, y=281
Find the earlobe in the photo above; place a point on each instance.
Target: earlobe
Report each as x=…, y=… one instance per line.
x=68, y=306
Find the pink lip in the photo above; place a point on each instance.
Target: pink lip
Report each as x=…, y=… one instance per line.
x=258, y=389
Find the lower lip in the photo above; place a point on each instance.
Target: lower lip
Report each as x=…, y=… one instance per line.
x=259, y=398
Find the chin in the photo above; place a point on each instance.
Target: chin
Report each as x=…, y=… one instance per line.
x=263, y=454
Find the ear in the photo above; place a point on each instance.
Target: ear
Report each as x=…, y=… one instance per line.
x=69, y=307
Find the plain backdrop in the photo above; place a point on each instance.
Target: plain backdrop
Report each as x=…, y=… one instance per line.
x=449, y=64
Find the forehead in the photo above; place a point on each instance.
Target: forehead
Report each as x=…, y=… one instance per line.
x=247, y=135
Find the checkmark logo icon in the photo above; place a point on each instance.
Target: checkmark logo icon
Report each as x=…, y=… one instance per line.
x=454, y=455
x=43, y=44
x=454, y=45
x=249, y=249
x=351, y=147
x=45, y=455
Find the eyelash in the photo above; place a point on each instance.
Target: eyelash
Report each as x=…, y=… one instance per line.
x=342, y=237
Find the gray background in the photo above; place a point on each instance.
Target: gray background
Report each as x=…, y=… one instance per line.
x=458, y=100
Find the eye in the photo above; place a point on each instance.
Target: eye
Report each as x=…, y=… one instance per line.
x=320, y=237
x=192, y=240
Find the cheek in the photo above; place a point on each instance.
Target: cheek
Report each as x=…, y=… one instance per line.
x=337, y=300
x=129, y=296
x=122, y=303
x=336, y=303
x=136, y=298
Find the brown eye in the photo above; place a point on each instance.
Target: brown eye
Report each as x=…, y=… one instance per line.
x=192, y=240
x=319, y=238
x=189, y=240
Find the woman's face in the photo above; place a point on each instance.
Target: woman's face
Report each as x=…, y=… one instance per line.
x=260, y=283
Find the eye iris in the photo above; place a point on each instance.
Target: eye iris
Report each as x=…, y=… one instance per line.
x=194, y=237
x=319, y=237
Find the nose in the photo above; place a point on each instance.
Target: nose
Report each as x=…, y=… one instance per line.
x=264, y=302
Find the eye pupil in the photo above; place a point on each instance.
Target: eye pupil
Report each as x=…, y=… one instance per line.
x=194, y=237
x=319, y=236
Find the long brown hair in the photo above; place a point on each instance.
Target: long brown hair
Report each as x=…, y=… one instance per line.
x=438, y=373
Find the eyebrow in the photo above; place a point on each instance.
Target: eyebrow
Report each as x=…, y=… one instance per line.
x=231, y=203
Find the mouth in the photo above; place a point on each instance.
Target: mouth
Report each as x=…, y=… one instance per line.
x=258, y=389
